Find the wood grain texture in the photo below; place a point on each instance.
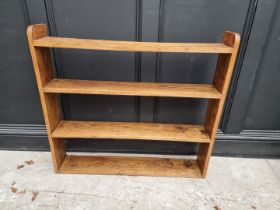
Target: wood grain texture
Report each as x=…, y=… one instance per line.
x=131, y=130
x=60, y=42
x=222, y=78
x=44, y=73
x=132, y=166
x=131, y=88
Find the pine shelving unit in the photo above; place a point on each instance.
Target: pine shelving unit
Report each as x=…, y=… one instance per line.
x=58, y=129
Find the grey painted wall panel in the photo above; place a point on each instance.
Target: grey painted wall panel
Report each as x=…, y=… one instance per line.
x=193, y=21
x=264, y=112
x=98, y=20
x=19, y=101
x=250, y=67
x=149, y=33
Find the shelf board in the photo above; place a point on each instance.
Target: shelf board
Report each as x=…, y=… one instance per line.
x=131, y=130
x=132, y=166
x=132, y=88
x=91, y=44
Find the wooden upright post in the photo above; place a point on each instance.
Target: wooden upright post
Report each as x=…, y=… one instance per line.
x=50, y=103
x=221, y=82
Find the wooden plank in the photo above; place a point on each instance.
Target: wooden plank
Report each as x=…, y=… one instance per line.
x=60, y=42
x=131, y=130
x=132, y=166
x=131, y=88
x=50, y=104
x=221, y=81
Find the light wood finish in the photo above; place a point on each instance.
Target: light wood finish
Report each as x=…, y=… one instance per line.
x=49, y=86
x=132, y=88
x=132, y=166
x=221, y=81
x=131, y=130
x=44, y=74
x=60, y=42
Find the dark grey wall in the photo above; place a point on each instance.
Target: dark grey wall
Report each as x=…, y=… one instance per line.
x=263, y=110
x=19, y=101
x=256, y=101
x=250, y=123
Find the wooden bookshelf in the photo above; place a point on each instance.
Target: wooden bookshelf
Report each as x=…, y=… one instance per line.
x=59, y=129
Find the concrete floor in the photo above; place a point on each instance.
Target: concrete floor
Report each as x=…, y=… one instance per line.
x=232, y=183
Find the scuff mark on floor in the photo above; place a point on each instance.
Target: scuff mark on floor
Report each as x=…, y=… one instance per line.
x=34, y=196
x=20, y=166
x=29, y=162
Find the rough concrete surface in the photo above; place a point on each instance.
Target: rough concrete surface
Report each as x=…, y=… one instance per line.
x=232, y=183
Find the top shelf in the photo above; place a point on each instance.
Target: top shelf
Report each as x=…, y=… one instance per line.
x=60, y=42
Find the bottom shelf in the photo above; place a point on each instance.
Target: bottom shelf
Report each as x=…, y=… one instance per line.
x=131, y=166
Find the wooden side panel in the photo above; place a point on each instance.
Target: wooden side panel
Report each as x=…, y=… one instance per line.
x=221, y=82
x=50, y=103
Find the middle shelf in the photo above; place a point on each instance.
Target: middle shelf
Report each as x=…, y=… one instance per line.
x=131, y=130
x=132, y=88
